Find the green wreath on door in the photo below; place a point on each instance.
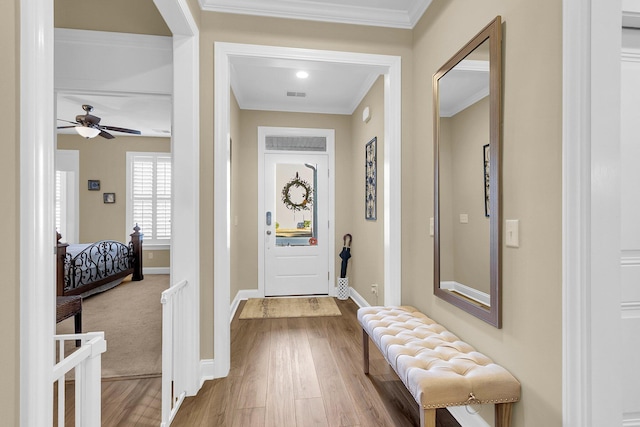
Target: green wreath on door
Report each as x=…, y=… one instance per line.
x=295, y=184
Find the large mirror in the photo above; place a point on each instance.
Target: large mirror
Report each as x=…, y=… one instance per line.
x=467, y=133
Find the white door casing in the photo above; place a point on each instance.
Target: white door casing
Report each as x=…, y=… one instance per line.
x=630, y=232
x=295, y=270
x=591, y=391
x=392, y=70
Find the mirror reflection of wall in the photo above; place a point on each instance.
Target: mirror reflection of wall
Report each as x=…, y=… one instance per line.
x=464, y=130
x=464, y=227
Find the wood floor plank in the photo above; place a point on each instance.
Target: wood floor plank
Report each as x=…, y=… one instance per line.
x=280, y=403
x=371, y=411
x=311, y=413
x=196, y=411
x=338, y=402
x=253, y=388
x=150, y=408
x=305, y=380
x=242, y=337
x=249, y=417
x=120, y=396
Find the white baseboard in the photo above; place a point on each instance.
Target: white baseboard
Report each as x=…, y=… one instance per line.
x=244, y=294
x=207, y=370
x=358, y=299
x=468, y=419
x=155, y=270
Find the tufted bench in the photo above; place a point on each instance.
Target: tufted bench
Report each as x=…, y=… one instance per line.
x=437, y=368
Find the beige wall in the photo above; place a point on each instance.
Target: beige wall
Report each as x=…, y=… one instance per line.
x=276, y=32
x=366, y=265
x=466, y=245
x=9, y=208
x=105, y=160
x=530, y=342
x=122, y=16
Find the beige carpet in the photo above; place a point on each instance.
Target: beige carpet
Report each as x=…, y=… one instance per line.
x=131, y=317
x=271, y=308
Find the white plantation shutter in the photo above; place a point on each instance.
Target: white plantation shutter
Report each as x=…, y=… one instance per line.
x=149, y=194
x=163, y=198
x=59, y=201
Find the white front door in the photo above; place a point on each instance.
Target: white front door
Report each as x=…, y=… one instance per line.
x=295, y=211
x=296, y=224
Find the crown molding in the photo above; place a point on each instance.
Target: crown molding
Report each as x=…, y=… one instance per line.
x=318, y=11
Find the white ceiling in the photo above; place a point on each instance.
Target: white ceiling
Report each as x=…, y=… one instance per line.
x=258, y=83
x=333, y=88
x=261, y=84
x=380, y=13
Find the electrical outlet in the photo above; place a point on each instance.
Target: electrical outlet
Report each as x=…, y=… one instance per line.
x=374, y=289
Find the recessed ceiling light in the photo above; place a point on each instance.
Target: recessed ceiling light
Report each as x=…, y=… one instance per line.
x=302, y=74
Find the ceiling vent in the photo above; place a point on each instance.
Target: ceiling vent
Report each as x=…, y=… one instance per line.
x=297, y=94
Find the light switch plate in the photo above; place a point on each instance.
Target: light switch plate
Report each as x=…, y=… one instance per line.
x=464, y=218
x=431, y=226
x=513, y=233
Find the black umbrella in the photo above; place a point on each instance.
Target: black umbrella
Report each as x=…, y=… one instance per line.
x=345, y=255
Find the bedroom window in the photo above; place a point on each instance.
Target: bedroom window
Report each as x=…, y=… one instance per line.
x=149, y=197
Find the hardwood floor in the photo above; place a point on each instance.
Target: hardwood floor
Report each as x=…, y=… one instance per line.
x=284, y=372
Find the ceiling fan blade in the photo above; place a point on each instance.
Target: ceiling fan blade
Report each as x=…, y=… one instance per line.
x=106, y=135
x=65, y=127
x=68, y=121
x=124, y=130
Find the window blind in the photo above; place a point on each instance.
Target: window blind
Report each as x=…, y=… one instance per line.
x=150, y=195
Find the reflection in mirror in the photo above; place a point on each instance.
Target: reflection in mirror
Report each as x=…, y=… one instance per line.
x=466, y=102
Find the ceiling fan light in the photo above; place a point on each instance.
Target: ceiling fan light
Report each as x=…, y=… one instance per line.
x=87, y=132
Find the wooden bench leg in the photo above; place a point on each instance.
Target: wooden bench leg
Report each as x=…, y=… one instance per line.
x=503, y=414
x=365, y=351
x=427, y=417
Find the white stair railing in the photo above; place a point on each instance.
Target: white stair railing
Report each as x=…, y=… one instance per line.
x=174, y=330
x=87, y=363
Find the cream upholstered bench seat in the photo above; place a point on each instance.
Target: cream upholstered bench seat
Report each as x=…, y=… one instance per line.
x=437, y=368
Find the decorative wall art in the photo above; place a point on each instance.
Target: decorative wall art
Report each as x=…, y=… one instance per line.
x=109, y=197
x=370, y=210
x=93, y=184
x=487, y=167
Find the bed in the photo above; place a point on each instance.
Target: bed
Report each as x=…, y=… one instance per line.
x=86, y=269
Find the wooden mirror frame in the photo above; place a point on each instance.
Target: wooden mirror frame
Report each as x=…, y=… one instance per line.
x=493, y=33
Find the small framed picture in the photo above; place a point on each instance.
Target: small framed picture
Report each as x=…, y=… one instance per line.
x=94, y=185
x=109, y=197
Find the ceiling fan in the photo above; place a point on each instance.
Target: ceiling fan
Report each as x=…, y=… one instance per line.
x=89, y=126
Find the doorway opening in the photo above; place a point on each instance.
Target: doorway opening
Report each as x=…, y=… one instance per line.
x=390, y=68
x=295, y=211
